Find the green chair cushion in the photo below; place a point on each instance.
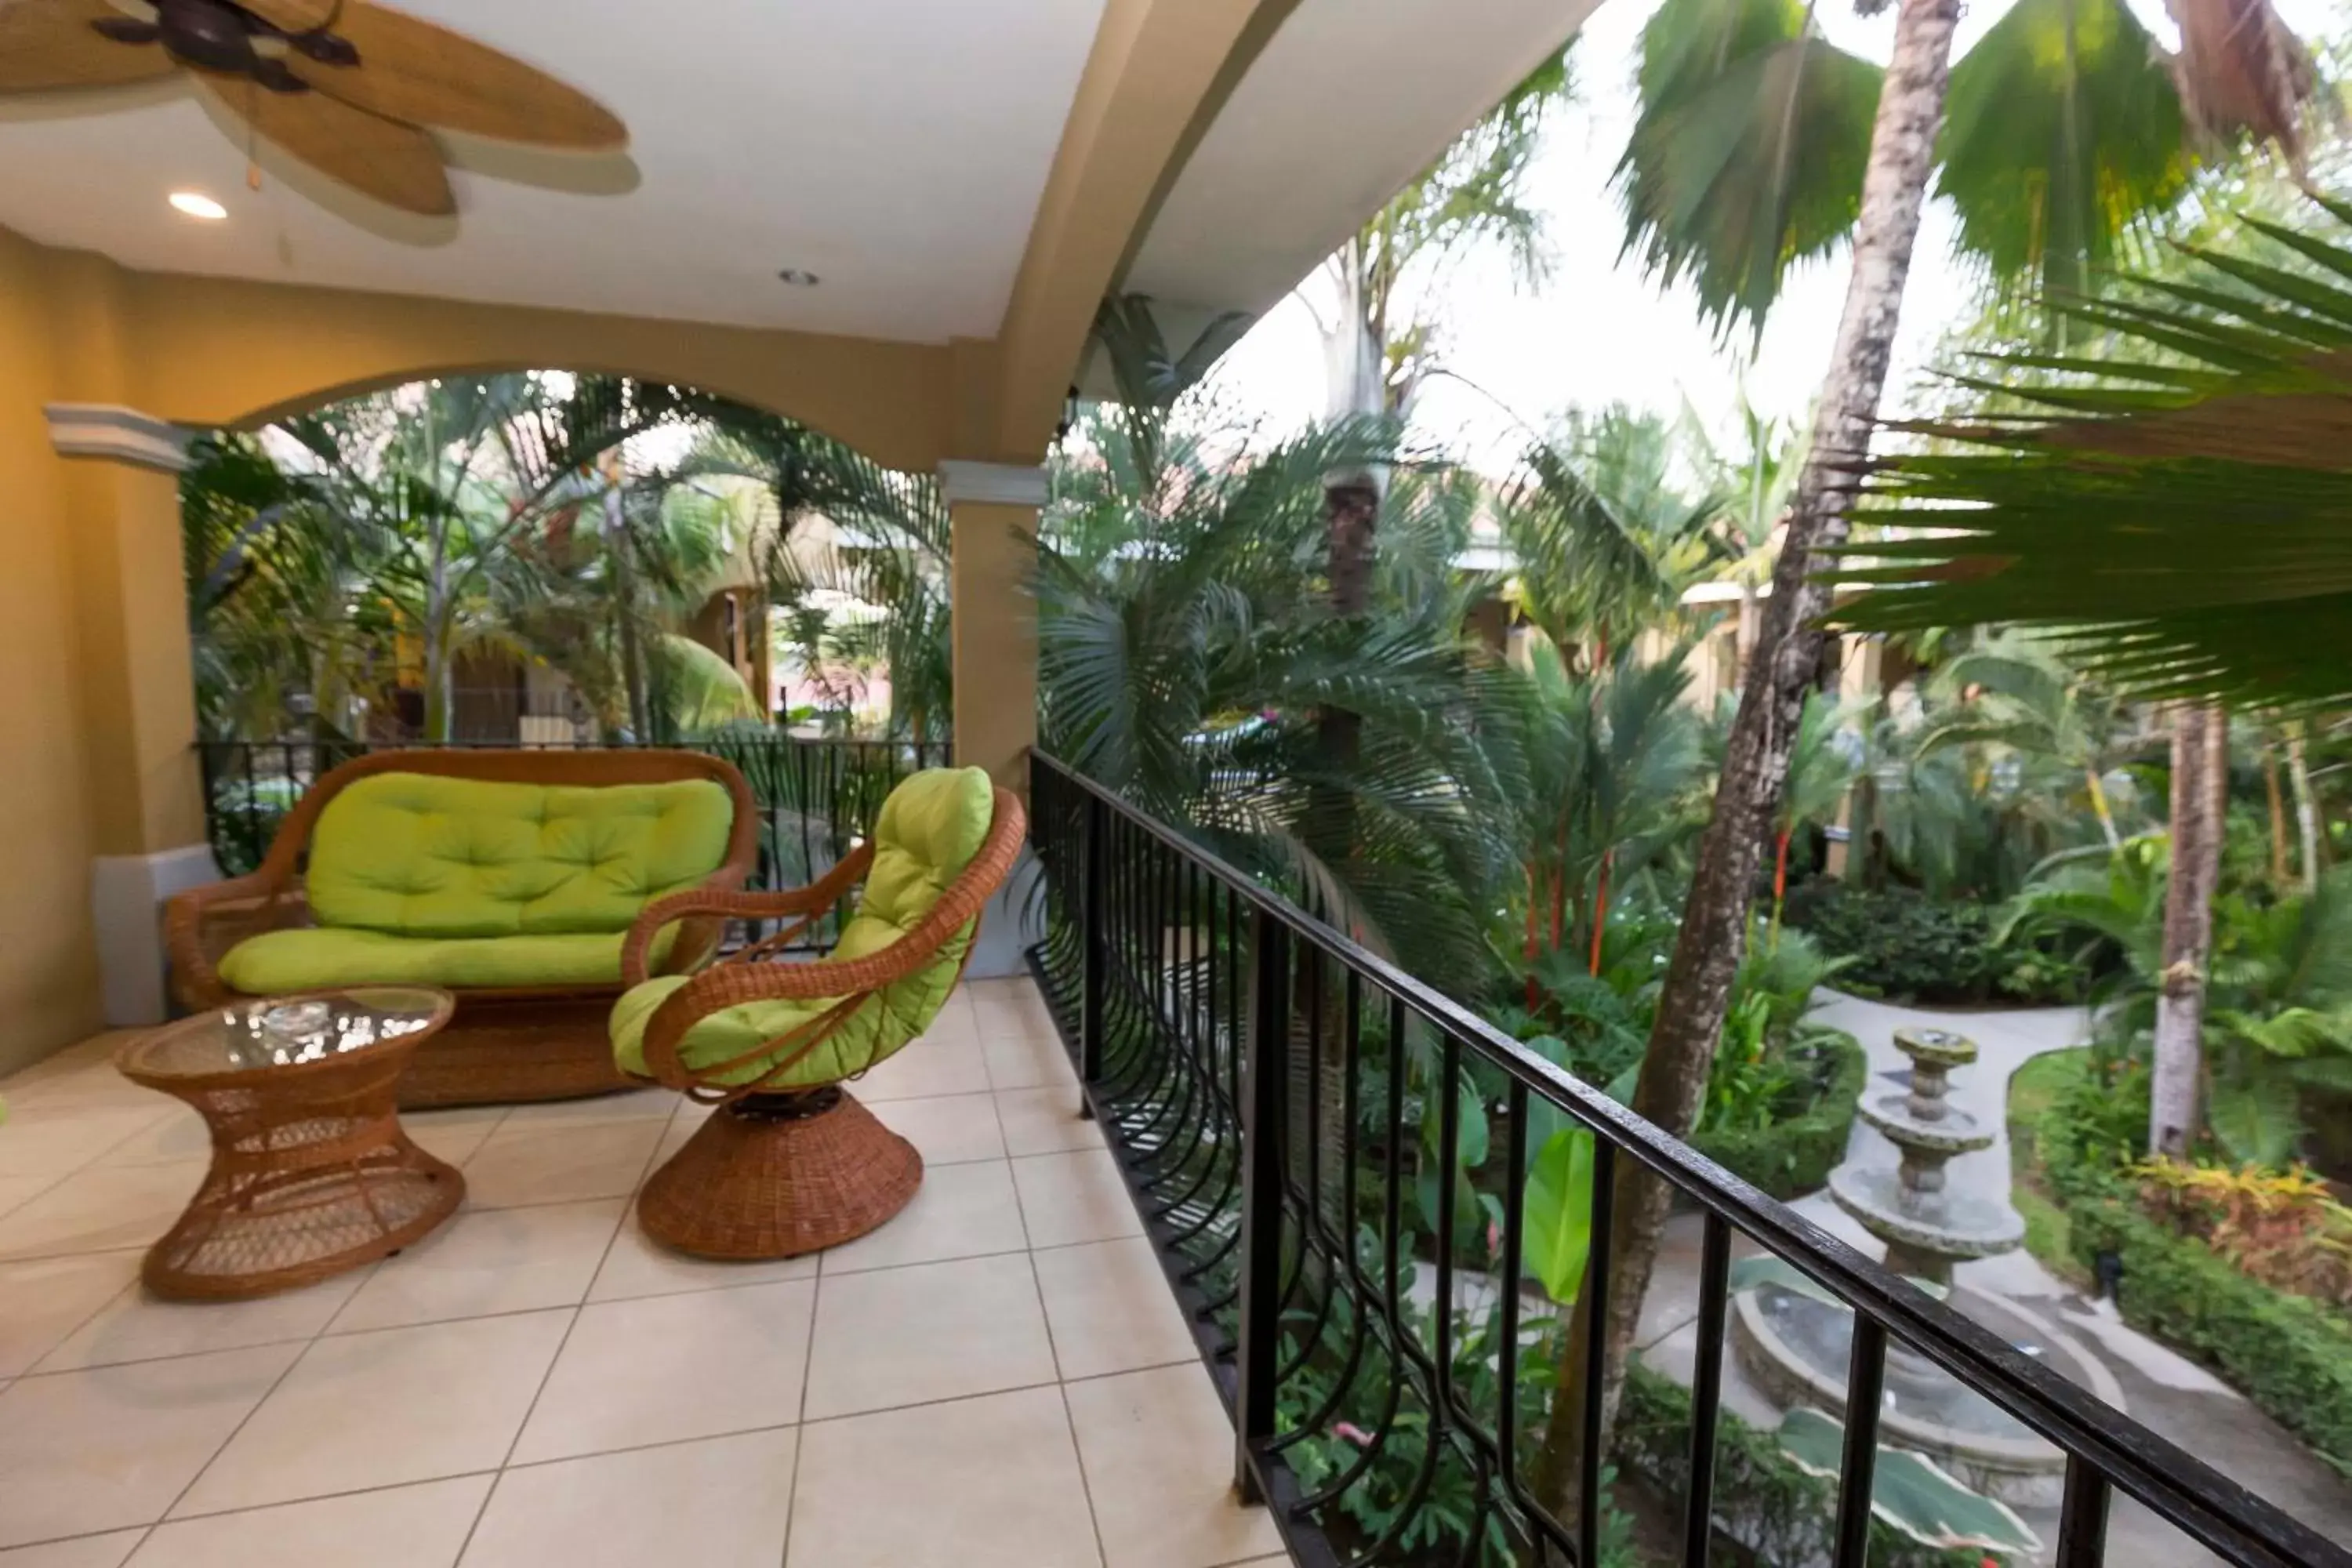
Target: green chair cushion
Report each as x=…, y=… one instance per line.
x=321, y=958
x=423, y=854
x=930, y=828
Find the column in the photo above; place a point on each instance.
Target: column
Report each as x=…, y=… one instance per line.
x=136, y=690
x=993, y=507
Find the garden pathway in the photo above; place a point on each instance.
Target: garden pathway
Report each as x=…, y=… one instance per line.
x=2176, y=1398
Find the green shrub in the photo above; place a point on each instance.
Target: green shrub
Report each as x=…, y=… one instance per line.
x=2291, y=1355
x=1795, y=1156
x=1906, y=947
x=1775, y=1511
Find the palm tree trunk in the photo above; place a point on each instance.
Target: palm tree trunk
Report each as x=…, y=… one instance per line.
x=2200, y=779
x=2306, y=809
x=1747, y=796
x=2277, y=800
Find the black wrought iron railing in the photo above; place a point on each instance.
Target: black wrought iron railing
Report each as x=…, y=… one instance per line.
x=817, y=795
x=1296, y=1121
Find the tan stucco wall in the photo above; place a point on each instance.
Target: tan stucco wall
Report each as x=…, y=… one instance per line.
x=49, y=968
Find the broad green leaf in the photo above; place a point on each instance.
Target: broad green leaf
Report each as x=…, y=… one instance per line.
x=2257, y=1121
x=2062, y=136
x=1559, y=1213
x=1748, y=152
x=1909, y=1492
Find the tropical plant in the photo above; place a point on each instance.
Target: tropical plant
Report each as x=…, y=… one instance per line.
x=1187, y=660
x=1605, y=534
x=1745, y=156
x=855, y=556
x=2014, y=693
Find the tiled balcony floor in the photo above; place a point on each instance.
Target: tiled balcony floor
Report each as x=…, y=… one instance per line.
x=997, y=1378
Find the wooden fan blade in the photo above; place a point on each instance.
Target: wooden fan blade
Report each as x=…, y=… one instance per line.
x=397, y=165
x=415, y=71
x=47, y=45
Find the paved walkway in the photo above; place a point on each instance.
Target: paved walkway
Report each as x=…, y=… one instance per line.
x=2174, y=1396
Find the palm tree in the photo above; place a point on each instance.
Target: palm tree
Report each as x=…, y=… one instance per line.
x=1605, y=534
x=2180, y=521
x=2015, y=692
x=1749, y=154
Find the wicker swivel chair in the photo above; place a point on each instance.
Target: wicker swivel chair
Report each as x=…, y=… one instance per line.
x=789, y=1162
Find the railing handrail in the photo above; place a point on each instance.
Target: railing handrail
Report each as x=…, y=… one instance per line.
x=2206, y=1505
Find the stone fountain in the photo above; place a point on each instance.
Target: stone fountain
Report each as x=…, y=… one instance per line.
x=1796, y=1344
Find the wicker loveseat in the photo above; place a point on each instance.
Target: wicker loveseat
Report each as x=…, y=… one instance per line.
x=509, y=878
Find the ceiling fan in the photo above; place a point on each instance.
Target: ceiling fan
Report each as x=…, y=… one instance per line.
x=351, y=89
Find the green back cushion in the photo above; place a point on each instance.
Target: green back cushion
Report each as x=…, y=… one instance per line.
x=930, y=828
x=425, y=854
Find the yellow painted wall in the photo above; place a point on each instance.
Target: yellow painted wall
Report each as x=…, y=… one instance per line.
x=48, y=967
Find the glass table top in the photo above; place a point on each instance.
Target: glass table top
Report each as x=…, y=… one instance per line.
x=289, y=1032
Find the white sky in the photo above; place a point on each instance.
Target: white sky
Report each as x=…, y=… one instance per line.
x=1597, y=331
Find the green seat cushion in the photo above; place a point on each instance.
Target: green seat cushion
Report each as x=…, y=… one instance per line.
x=321, y=958
x=422, y=854
x=931, y=826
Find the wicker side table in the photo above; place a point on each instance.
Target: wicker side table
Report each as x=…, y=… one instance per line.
x=311, y=1173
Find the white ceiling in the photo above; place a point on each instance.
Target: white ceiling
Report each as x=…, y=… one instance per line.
x=895, y=148
x=1349, y=100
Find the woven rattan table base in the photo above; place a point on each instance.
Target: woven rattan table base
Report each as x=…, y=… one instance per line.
x=312, y=1174
x=753, y=1182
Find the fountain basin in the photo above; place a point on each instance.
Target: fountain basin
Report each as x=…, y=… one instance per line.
x=1797, y=1348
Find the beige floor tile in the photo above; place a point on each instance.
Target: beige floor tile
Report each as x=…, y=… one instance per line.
x=43, y=1301
x=99, y=1210
x=925, y=1069
x=15, y=1192
x=1027, y=1061
x=639, y=1265
x=176, y=1136
x=105, y=1550
x=719, y=1503
x=384, y=1410
x=979, y=1483
x=954, y=1024
x=1109, y=1306
x=629, y=1105
x=560, y=1163
x=670, y=1367
x=454, y=1144
x=937, y=1331
x=946, y=1129
x=1012, y=1007
x=86, y=1088
x=959, y=1211
x=136, y=1326
x=403, y=1526
x=49, y=1142
x=1157, y=1451
x=1044, y=1121
x=489, y=1260
x=1080, y=1196
x=88, y=1451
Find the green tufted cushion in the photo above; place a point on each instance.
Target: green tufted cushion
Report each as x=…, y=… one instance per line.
x=930, y=828
x=424, y=855
x=321, y=958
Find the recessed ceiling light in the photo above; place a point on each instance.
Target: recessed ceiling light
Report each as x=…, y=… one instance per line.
x=196, y=204
x=799, y=278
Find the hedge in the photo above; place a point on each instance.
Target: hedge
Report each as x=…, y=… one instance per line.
x=1775, y=1512
x=1903, y=946
x=2289, y=1354
x=1793, y=1157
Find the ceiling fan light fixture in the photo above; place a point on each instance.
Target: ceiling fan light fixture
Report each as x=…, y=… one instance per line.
x=800, y=278
x=196, y=204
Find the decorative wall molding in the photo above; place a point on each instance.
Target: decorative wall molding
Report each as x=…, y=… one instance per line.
x=124, y=435
x=991, y=484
